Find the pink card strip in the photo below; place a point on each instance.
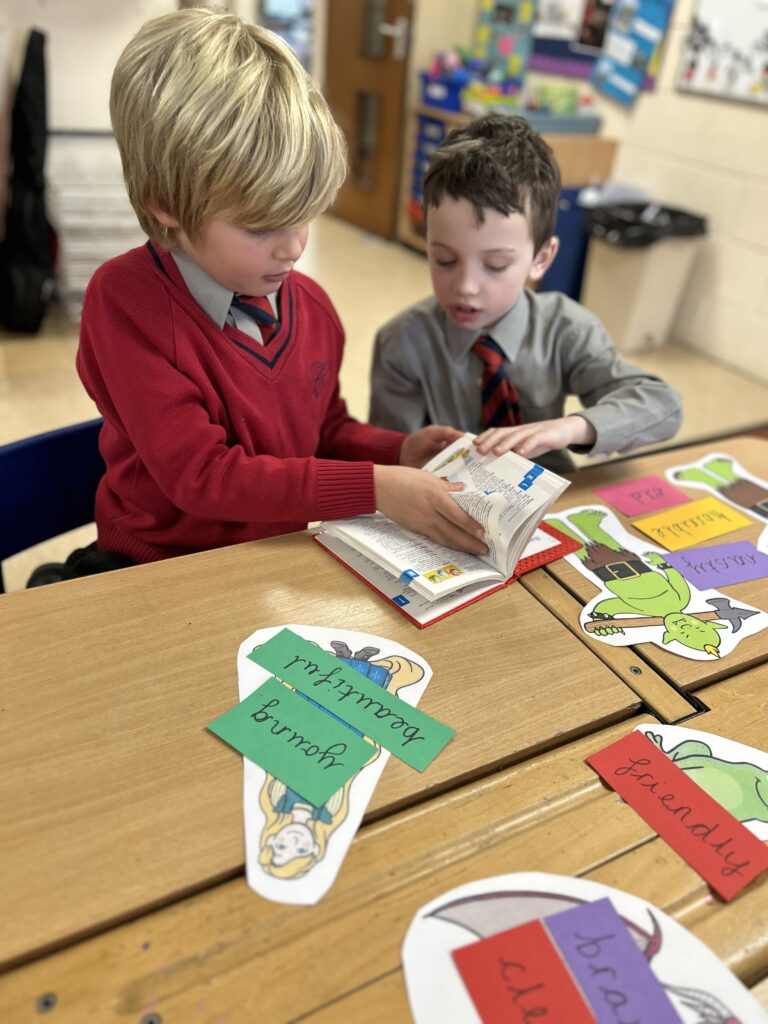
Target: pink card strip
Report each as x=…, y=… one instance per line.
x=646, y=494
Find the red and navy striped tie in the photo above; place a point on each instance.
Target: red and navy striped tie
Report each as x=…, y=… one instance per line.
x=259, y=309
x=501, y=402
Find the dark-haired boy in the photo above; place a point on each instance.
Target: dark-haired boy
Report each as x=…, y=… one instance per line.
x=490, y=200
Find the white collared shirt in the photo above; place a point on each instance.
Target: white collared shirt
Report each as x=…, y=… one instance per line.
x=424, y=371
x=216, y=300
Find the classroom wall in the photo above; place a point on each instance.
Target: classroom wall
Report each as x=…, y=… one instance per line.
x=707, y=155
x=710, y=156
x=83, y=41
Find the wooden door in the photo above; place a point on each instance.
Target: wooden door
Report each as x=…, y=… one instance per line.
x=366, y=59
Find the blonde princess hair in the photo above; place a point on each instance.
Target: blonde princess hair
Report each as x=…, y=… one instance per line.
x=404, y=673
x=215, y=117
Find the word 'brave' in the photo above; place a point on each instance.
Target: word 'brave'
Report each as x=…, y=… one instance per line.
x=591, y=948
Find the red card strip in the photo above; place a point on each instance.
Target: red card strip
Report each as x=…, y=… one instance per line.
x=518, y=975
x=725, y=853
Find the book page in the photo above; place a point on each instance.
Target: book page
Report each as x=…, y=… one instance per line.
x=416, y=607
x=427, y=567
x=506, y=494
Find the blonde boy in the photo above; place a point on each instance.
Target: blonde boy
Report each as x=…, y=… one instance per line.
x=215, y=364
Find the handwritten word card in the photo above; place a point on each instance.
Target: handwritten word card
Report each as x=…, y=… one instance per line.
x=306, y=749
x=726, y=854
x=688, y=524
x=647, y=494
x=520, y=970
x=581, y=965
x=608, y=966
x=405, y=731
x=720, y=565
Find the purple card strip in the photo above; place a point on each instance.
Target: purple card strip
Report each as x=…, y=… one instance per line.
x=646, y=494
x=721, y=564
x=610, y=969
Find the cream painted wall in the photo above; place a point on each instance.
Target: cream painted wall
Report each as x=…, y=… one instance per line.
x=709, y=156
x=83, y=41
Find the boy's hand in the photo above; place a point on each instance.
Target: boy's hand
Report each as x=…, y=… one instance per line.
x=422, y=502
x=532, y=439
x=424, y=444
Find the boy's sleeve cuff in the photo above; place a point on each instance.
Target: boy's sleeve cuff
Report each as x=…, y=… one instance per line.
x=345, y=489
x=586, y=449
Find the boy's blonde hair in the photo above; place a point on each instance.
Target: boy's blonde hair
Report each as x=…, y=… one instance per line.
x=215, y=117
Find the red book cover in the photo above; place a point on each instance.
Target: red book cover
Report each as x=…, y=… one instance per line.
x=451, y=604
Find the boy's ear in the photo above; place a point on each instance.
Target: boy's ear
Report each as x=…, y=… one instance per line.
x=162, y=217
x=544, y=258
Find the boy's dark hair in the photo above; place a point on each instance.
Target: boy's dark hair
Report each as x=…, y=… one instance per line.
x=500, y=163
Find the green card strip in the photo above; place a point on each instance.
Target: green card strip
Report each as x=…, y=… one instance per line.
x=405, y=731
x=299, y=744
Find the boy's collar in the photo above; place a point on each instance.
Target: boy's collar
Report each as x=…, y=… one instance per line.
x=508, y=332
x=212, y=297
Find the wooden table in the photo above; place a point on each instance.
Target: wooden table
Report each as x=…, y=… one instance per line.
x=685, y=673
x=114, y=797
x=225, y=954
x=122, y=849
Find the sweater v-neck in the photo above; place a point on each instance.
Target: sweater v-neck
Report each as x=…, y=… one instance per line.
x=270, y=355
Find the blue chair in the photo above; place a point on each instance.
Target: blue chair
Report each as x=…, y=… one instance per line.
x=47, y=486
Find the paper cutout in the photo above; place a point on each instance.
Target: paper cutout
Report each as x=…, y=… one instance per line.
x=351, y=697
x=294, y=849
x=611, y=971
x=638, y=497
x=305, y=749
x=721, y=564
x=519, y=975
x=635, y=31
x=722, y=475
x=712, y=841
x=700, y=987
x=734, y=775
x=689, y=524
x=643, y=599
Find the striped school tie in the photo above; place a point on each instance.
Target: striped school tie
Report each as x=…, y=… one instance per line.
x=501, y=402
x=258, y=308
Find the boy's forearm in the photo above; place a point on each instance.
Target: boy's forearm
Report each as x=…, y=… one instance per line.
x=583, y=433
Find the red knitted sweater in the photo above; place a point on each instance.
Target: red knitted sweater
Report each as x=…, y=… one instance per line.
x=208, y=438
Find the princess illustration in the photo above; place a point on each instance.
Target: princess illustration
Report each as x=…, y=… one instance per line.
x=296, y=833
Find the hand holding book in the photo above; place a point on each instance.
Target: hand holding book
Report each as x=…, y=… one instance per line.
x=506, y=495
x=422, y=504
